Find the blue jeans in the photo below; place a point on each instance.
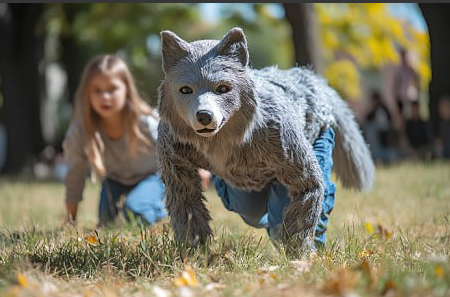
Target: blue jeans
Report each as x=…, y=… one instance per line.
x=145, y=200
x=264, y=209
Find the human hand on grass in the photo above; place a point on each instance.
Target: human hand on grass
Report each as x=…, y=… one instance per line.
x=71, y=214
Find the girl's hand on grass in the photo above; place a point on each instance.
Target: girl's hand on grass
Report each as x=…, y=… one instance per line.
x=71, y=214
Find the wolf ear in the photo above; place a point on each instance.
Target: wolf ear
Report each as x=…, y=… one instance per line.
x=234, y=44
x=173, y=49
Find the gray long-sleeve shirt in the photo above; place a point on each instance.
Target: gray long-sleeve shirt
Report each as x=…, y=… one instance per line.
x=120, y=165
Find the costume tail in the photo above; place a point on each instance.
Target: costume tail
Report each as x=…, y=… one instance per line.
x=353, y=162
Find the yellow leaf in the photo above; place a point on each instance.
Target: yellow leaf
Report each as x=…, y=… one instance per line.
x=364, y=254
x=369, y=227
x=273, y=276
x=92, y=239
x=187, y=278
x=21, y=279
x=439, y=270
x=179, y=282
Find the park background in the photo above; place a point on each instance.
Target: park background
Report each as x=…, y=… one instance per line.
x=355, y=46
x=391, y=241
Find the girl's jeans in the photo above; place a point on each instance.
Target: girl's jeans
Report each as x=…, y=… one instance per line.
x=265, y=208
x=144, y=201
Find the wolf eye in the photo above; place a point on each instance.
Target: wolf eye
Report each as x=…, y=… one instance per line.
x=186, y=90
x=223, y=89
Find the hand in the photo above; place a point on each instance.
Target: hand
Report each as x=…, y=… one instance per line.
x=205, y=176
x=71, y=214
x=67, y=221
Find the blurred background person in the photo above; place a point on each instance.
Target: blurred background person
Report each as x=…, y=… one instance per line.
x=443, y=137
x=418, y=133
x=406, y=83
x=378, y=130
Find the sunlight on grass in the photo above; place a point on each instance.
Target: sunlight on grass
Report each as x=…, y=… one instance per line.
x=392, y=241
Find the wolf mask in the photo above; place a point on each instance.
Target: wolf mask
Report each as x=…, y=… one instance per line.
x=249, y=127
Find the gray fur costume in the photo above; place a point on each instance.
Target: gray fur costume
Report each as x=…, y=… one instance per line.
x=248, y=127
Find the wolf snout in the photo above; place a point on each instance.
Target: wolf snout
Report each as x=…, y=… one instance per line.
x=204, y=117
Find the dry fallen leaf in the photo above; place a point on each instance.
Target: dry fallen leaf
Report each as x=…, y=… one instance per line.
x=439, y=270
x=22, y=280
x=341, y=282
x=388, y=286
x=383, y=232
x=92, y=239
x=301, y=265
x=378, y=230
x=365, y=254
x=187, y=278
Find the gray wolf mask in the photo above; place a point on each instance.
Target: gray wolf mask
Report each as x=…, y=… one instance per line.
x=249, y=127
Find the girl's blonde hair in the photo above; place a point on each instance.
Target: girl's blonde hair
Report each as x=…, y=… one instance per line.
x=89, y=119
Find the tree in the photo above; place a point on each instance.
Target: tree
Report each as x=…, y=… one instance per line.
x=437, y=18
x=75, y=32
x=369, y=36
x=21, y=81
x=302, y=18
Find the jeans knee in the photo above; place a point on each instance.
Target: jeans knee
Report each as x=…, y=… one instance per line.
x=253, y=220
x=149, y=212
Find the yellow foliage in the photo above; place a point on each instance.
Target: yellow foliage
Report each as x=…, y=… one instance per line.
x=371, y=35
x=344, y=77
x=330, y=40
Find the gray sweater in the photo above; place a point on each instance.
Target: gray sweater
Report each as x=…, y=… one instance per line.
x=119, y=164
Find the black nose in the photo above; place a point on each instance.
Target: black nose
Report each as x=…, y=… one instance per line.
x=204, y=117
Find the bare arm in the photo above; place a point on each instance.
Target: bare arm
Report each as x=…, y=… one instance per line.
x=77, y=164
x=71, y=213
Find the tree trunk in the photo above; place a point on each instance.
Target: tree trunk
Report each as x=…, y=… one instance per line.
x=302, y=18
x=21, y=51
x=72, y=58
x=438, y=21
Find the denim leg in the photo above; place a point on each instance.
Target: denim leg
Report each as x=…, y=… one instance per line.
x=265, y=208
x=110, y=193
x=146, y=200
x=250, y=205
x=323, y=148
x=278, y=201
x=279, y=198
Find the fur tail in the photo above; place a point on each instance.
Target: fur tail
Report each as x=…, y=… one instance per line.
x=353, y=163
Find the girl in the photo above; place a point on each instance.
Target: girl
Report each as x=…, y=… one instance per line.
x=113, y=132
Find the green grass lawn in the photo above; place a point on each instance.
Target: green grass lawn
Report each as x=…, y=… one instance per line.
x=392, y=241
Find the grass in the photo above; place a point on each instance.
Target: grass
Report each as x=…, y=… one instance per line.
x=392, y=241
